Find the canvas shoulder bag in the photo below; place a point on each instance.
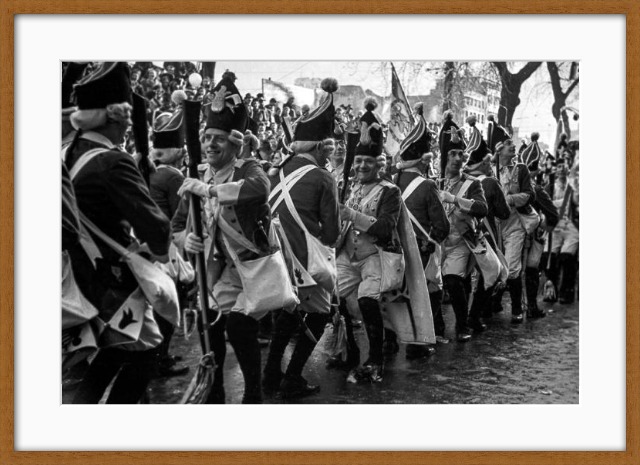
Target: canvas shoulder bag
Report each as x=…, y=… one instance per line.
x=321, y=259
x=392, y=264
x=266, y=284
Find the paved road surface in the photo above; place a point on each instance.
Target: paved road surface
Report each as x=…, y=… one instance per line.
x=533, y=363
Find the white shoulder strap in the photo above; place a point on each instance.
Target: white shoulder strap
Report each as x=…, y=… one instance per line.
x=413, y=185
x=291, y=180
x=289, y=202
x=465, y=187
x=83, y=160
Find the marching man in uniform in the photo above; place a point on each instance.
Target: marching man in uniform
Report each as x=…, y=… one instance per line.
x=565, y=240
x=235, y=191
x=518, y=190
x=111, y=192
x=372, y=210
x=535, y=241
x=422, y=200
x=314, y=199
x=479, y=166
x=465, y=204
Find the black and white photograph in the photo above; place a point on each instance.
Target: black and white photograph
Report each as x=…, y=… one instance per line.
x=320, y=232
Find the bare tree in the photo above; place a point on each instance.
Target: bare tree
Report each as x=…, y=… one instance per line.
x=560, y=95
x=511, y=86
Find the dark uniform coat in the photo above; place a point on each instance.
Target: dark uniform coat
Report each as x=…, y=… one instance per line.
x=244, y=205
x=111, y=192
x=497, y=206
x=316, y=201
x=425, y=205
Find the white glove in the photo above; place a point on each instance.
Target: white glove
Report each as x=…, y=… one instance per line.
x=193, y=244
x=447, y=197
x=195, y=186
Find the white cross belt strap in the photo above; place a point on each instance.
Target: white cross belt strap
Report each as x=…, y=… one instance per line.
x=291, y=179
x=413, y=185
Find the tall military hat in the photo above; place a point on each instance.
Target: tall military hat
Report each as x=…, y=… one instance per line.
x=371, y=137
x=450, y=138
x=319, y=123
x=72, y=73
x=495, y=133
x=107, y=84
x=168, y=133
x=531, y=154
x=418, y=141
x=479, y=153
x=226, y=111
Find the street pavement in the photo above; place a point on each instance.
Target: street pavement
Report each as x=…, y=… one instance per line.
x=532, y=363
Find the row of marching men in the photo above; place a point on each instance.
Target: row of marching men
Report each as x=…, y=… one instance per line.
x=289, y=242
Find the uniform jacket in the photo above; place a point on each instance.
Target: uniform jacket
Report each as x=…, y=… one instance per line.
x=316, y=200
x=517, y=187
x=425, y=205
x=472, y=206
x=243, y=204
x=497, y=206
x=111, y=192
x=375, y=220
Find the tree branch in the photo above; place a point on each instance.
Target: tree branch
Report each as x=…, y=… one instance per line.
x=571, y=87
x=527, y=70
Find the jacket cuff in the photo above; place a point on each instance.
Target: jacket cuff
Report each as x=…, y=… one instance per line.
x=361, y=221
x=464, y=204
x=229, y=192
x=519, y=200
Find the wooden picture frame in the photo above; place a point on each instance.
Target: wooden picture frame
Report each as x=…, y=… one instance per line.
x=629, y=8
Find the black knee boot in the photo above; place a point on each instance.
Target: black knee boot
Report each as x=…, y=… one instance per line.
x=532, y=283
x=457, y=294
x=243, y=336
x=372, y=318
x=284, y=328
x=566, y=288
x=294, y=385
x=480, y=306
x=390, y=345
x=435, y=298
x=515, y=291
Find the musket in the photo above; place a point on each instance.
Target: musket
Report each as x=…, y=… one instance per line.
x=352, y=141
x=192, y=128
x=141, y=134
x=552, y=185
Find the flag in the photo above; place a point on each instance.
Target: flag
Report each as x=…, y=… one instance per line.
x=401, y=119
x=282, y=93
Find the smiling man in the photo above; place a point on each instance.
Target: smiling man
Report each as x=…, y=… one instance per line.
x=234, y=190
x=372, y=209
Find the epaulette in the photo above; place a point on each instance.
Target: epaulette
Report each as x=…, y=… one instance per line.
x=385, y=183
x=465, y=176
